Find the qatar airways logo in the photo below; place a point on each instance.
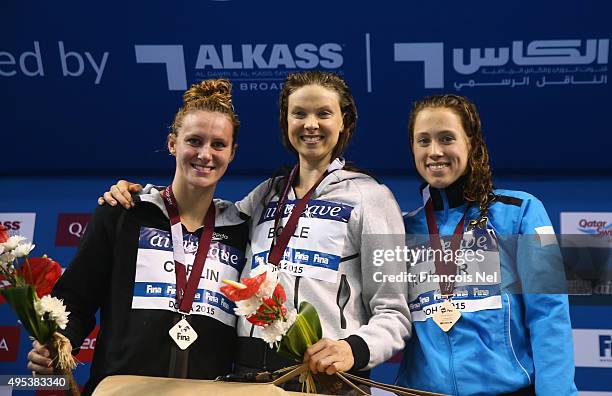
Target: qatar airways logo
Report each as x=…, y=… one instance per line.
x=586, y=229
x=242, y=62
x=595, y=227
x=71, y=228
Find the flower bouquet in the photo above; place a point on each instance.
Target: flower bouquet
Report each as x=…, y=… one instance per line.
x=261, y=299
x=26, y=286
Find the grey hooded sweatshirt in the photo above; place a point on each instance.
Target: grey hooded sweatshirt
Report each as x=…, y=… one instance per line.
x=329, y=261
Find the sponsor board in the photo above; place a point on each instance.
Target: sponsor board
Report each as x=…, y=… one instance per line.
x=252, y=67
x=70, y=228
x=513, y=64
x=593, y=347
x=36, y=62
x=19, y=224
x=88, y=346
x=9, y=343
x=596, y=224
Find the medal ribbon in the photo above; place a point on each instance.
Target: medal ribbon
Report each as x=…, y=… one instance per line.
x=186, y=288
x=443, y=267
x=279, y=244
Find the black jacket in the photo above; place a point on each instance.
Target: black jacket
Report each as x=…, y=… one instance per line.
x=102, y=276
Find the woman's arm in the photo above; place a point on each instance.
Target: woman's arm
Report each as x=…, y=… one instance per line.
x=85, y=284
x=120, y=193
x=546, y=304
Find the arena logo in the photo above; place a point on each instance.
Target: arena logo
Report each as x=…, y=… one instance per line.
x=255, y=63
x=538, y=63
x=9, y=343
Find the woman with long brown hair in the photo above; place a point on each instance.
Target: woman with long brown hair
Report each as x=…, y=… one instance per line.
x=495, y=321
x=161, y=314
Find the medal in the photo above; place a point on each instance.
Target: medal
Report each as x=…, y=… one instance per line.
x=183, y=334
x=446, y=316
x=280, y=242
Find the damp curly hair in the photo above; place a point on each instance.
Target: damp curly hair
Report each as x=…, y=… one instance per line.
x=328, y=80
x=208, y=95
x=479, y=184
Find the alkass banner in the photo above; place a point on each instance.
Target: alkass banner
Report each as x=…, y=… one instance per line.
x=126, y=83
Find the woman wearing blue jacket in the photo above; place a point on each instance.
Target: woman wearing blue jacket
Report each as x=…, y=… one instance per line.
x=498, y=321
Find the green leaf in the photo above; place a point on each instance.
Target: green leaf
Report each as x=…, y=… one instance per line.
x=303, y=333
x=22, y=301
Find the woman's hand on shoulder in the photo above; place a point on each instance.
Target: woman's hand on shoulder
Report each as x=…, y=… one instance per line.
x=120, y=193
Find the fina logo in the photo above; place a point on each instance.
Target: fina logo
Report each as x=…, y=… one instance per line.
x=491, y=60
x=240, y=57
x=605, y=346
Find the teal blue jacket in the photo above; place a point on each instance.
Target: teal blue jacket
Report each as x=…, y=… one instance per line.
x=526, y=342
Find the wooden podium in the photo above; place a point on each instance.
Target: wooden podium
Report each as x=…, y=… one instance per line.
x=133, y=385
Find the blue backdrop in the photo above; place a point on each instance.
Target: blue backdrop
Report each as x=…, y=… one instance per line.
x=88, y=90
x=92, y=87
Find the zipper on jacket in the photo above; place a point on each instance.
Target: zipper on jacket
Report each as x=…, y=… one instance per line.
x=343, y=298
x=445, y=205
x=452, y=367
x=296, y=289
x=510, y=339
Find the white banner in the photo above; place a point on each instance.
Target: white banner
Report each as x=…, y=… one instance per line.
x=597, y=225
x=19, y=224
x=593, y=347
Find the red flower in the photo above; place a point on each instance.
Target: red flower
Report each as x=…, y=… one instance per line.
x=252, y=286
x=4, y=236
x=42, y=273
x=278, y=297
x=271, y=309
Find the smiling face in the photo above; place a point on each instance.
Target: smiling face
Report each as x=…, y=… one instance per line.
x=314, y=123
x=203, y=148
x=440, y=146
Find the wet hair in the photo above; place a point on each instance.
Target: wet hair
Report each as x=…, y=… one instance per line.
x=328, y=80
x=479, y=183
x=208, y=95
